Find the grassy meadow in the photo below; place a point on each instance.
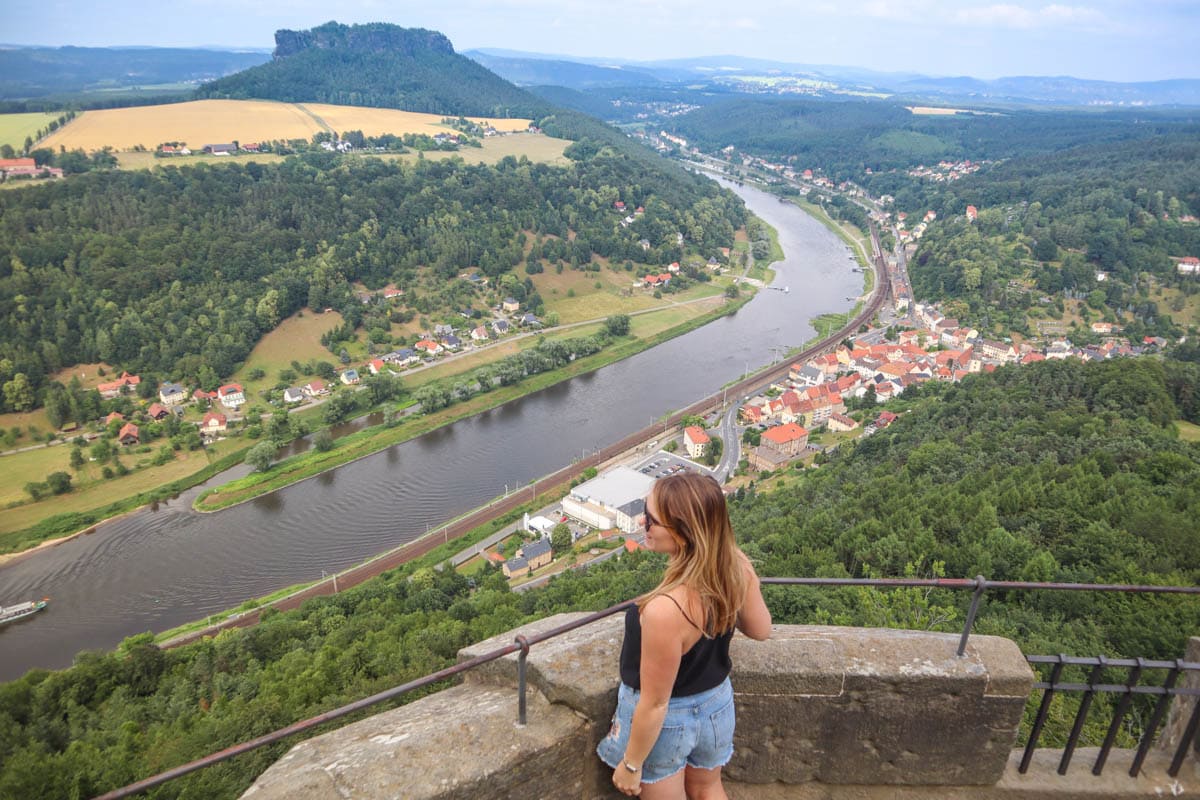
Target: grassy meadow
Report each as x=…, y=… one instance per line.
x=15, y=127
x=91, y=490
x=297, y=338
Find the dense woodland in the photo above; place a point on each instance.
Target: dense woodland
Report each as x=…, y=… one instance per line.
x=843, y=139
x=1059, y=471
x=177, y=273
x=1048, y=225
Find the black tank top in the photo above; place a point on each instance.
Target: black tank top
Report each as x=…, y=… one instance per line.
x=701, y=668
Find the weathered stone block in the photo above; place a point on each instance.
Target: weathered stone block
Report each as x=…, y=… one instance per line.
x=459, y=744
x=578, y=668
x=883, y=707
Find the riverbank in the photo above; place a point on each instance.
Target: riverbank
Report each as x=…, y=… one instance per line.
x=63, y=527
x=372, y=440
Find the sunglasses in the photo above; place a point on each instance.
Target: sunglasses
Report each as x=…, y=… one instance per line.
x=650, y=520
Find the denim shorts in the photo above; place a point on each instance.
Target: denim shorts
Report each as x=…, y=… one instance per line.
x=697, y=732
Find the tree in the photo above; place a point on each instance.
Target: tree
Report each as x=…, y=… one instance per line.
x=617, y=325
x=260, y=456
x=560, y=539
x=59, y=482
x=323, y=440
x=18, y=393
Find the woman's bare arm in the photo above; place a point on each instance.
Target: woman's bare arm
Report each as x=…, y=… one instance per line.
x=754, y=620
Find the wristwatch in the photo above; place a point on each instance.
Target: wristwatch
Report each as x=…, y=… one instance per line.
x=631, y=767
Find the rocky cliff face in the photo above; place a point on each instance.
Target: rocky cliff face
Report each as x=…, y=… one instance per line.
x=374, y=37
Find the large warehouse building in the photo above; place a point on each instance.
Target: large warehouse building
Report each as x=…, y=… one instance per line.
x=616, y=499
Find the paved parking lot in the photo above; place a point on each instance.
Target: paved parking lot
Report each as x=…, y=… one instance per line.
x=662, y=464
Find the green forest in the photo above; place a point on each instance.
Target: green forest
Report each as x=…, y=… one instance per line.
x=1062, y=471
x=1049, y=225
x=846, y=138
x=177, y=273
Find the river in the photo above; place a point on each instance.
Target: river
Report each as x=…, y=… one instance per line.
x=161, y=567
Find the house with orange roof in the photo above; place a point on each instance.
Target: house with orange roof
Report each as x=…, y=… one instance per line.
x=895, y=369
x=157, y=412
x=428, y=345
x=116, y=415
x=827, y=363
x=696, y=441
x=214, y=423
x=129, y=434
x=631, y=546
x=840, y=422
x=847, y=383
x=120, y=386
x=790, y=439
x=231, y=395
x=751, y=415
x=375, y=366
x=884, y=419
x=972, y=213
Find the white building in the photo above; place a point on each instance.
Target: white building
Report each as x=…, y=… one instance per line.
x=604, y=502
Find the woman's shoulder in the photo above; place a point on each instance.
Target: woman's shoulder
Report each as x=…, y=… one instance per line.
x=679, y=603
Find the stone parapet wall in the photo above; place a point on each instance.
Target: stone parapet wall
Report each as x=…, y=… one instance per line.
x=822, y=712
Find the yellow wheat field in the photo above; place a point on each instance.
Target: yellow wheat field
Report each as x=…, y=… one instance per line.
x=202, y=122
x=375, y=121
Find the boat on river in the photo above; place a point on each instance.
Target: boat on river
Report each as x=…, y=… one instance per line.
x=21, y=610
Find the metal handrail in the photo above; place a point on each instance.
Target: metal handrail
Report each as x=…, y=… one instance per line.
x=522, y=644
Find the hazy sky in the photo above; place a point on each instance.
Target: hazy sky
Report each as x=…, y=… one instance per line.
x=1101, y=39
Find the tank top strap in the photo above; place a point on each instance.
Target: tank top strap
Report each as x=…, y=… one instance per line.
x=681, y=611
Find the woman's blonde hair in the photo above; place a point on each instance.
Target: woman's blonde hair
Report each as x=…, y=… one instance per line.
x=692, y=507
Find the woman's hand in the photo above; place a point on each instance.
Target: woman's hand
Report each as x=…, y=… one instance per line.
x=628, y=783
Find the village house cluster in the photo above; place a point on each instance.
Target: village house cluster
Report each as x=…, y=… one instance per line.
x=445, y=338
x=943, y=349
x=945, y=171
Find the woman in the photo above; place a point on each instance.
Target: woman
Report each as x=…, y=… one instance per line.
x=673, y=728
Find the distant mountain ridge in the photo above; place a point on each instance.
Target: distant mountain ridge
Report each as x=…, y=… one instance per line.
x=376, y=64
x=533, y=69
x=32, y=72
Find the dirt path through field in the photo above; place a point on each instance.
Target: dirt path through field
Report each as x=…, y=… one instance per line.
x=316, y=118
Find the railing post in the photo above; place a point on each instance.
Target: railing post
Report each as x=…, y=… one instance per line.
x=1043, y=710
x=521, y=659
x=980, y=587
x=1081, y=716
x=1122, y=709
x=1160, y=709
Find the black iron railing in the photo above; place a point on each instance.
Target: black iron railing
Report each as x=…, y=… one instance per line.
x=978, y=586
x=1128, y=690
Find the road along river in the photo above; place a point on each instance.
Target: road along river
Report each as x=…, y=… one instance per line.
x=162, y=567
